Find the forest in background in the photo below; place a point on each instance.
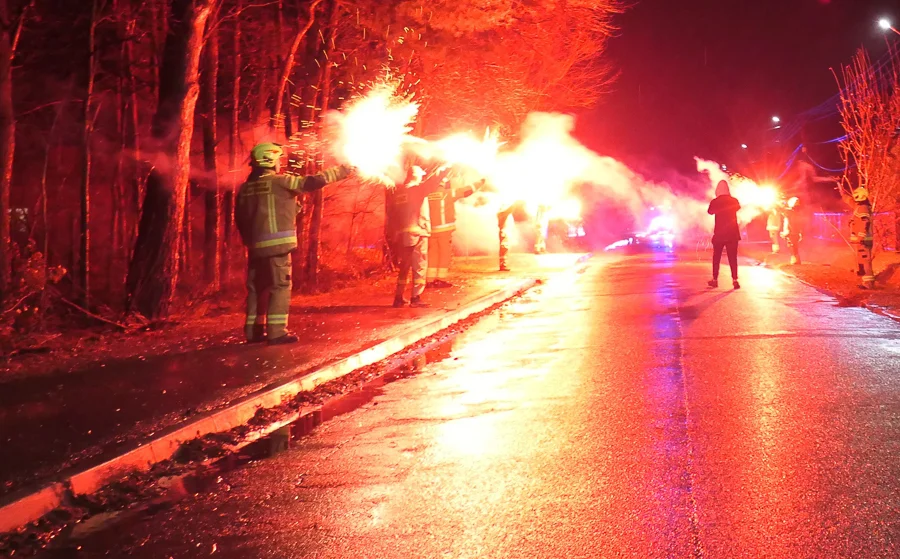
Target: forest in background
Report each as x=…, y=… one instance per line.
x=125, y=127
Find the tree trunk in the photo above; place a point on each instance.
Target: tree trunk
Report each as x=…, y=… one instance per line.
x=288, y=67
x=234, y=145
x=7, y=146
x=311, y=285
x=153, y=272
x=213, y=216
x=187, y=235
x=117, y=191
x=84, y=245
x=134, y=115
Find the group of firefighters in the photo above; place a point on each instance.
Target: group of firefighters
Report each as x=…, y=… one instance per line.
x=420, y=220
x=419, y=224
x=788, y=219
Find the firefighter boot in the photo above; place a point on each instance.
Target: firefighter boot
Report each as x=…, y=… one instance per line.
x=713, y=283
x=286, y=339
x=399, y=301
x=735, y=284
x=417, y=303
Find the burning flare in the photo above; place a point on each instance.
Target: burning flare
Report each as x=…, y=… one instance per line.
x=756, y=199
x=372, y=133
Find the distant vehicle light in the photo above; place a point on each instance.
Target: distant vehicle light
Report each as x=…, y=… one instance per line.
x=619, y=244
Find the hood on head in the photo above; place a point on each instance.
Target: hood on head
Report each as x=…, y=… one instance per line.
x=722, y=189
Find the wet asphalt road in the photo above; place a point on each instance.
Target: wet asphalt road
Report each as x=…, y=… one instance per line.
x=626, y=411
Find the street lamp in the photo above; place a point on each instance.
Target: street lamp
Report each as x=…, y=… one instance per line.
x=776, y=120
x=885, y=25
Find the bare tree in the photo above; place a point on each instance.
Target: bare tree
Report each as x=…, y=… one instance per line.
x=311, y=283
x=288, y=65
x=234, y=142
x=870, y=115
x=10, y=31
x=84, y=253
x=153, y=272
x=212, y=249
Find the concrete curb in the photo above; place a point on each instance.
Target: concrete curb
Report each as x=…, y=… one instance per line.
x=30, y=504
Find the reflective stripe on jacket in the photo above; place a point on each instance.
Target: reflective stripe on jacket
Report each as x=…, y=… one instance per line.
x=408, y=212
x=442, y=205
x=861, y=224
x=266, y=209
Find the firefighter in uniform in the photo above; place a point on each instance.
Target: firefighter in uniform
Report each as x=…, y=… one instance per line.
x=502, y=220
x=541, y=224
x=861, y=234
x=794, y=227
x=442, y=210
x=266, y=213
x=409, y=214
x=773, y=227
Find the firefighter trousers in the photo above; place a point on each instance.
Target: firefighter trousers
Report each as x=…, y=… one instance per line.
x=776, y=243
x=541, y=223
x=864, y=264
x=502, y=219
x=793, y=242
x=440, y=252
x=268, y=296
x=413, y=259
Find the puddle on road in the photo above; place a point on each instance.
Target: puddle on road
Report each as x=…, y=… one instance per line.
x=87, y=537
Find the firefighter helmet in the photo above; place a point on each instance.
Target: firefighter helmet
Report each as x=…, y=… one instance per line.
x=861, y=194
x=792, y=202
x=266, y=155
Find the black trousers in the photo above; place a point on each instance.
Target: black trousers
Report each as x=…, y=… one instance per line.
x=731, y=248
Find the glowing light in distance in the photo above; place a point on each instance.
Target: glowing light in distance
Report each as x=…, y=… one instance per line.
x=619, y=244
x=776, y=119
x=569, y=208
x=884, y=23
x=743, y=146
x=661, y=223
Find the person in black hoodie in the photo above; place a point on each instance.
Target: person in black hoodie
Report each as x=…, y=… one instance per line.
x=726, y=234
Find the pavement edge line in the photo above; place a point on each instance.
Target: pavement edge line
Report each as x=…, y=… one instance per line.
x=34, y=504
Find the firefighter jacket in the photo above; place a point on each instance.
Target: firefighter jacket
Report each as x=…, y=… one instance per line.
x=861, y=223
x=442, y=202
x=794, y=222
x=266, y=209
x=408, y=213
x=773, y=223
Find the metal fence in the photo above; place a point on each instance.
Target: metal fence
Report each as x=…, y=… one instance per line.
x=835, y=226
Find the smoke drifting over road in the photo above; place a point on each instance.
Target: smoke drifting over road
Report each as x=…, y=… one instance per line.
x=545, y=167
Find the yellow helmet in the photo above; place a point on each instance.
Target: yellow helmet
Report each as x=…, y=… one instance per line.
x=266, y=155
x=861, y=194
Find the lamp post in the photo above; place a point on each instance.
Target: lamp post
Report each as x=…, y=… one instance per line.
x=886, y=25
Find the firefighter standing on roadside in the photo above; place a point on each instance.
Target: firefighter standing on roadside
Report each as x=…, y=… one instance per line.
x=541, y=225
x=442, y=212
x=502, y=220
x=773, y=227
x=265, y=214
x=408, y=213
x=861, y=234
x=794, y=227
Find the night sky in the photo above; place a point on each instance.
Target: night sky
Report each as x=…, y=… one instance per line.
x=700, y=77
